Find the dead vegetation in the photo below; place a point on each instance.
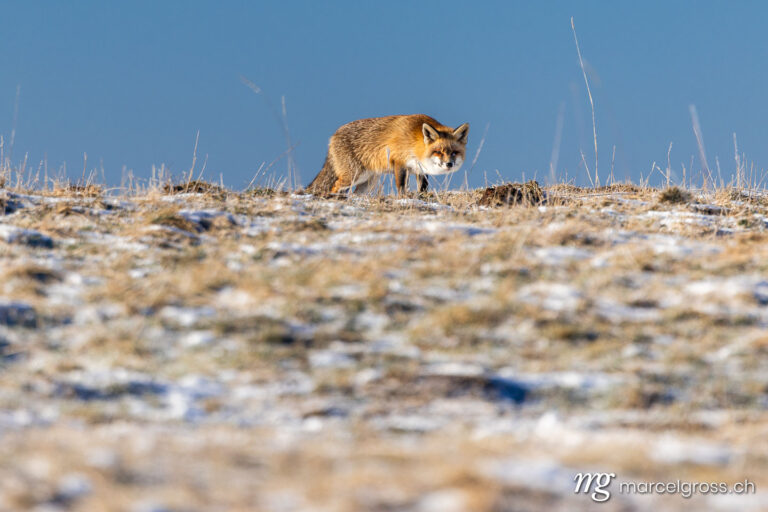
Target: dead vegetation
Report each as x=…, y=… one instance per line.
x=674, y=195
x=74, y=190
x=205, y=348
x=193, y=187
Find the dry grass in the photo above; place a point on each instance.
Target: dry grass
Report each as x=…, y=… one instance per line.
x=198, y=347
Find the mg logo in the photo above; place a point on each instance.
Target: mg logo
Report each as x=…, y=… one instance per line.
x=597, y=483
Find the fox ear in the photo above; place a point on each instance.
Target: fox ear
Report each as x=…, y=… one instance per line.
x=430, y=134
x=461, y=133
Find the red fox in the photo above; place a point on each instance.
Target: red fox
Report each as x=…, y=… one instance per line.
x=415, y=144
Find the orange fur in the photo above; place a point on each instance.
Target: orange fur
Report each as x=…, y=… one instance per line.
x=415, y=144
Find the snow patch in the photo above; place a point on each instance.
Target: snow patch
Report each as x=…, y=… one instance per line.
x=560, y=255
x=30, y=237
x=559, y=297
x=13, y=313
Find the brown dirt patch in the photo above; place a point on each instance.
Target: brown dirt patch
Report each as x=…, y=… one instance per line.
x=527, y=193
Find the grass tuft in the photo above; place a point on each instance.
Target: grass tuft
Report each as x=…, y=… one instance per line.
x=529, y=193
x=674, y=195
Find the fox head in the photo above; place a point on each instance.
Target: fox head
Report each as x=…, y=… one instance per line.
x=445, y=149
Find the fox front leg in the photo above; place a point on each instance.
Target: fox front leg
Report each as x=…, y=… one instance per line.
x=423, y=182
x=401, y=180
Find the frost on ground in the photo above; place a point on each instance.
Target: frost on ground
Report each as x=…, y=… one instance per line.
x=283, y=352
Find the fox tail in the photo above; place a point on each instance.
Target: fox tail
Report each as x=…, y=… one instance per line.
x=324, y=181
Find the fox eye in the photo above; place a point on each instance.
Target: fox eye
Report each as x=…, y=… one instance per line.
x=437, y=153
x=454, y=153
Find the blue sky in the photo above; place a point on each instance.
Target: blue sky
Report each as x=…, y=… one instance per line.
x=131, y=83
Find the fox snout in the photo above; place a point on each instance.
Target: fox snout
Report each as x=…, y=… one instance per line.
x=447, y=160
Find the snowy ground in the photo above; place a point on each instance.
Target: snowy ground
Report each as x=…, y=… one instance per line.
x=228, y=351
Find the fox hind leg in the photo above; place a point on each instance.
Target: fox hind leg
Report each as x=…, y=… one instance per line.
x=341, y=185
x=357, y=180
x=367, y=186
